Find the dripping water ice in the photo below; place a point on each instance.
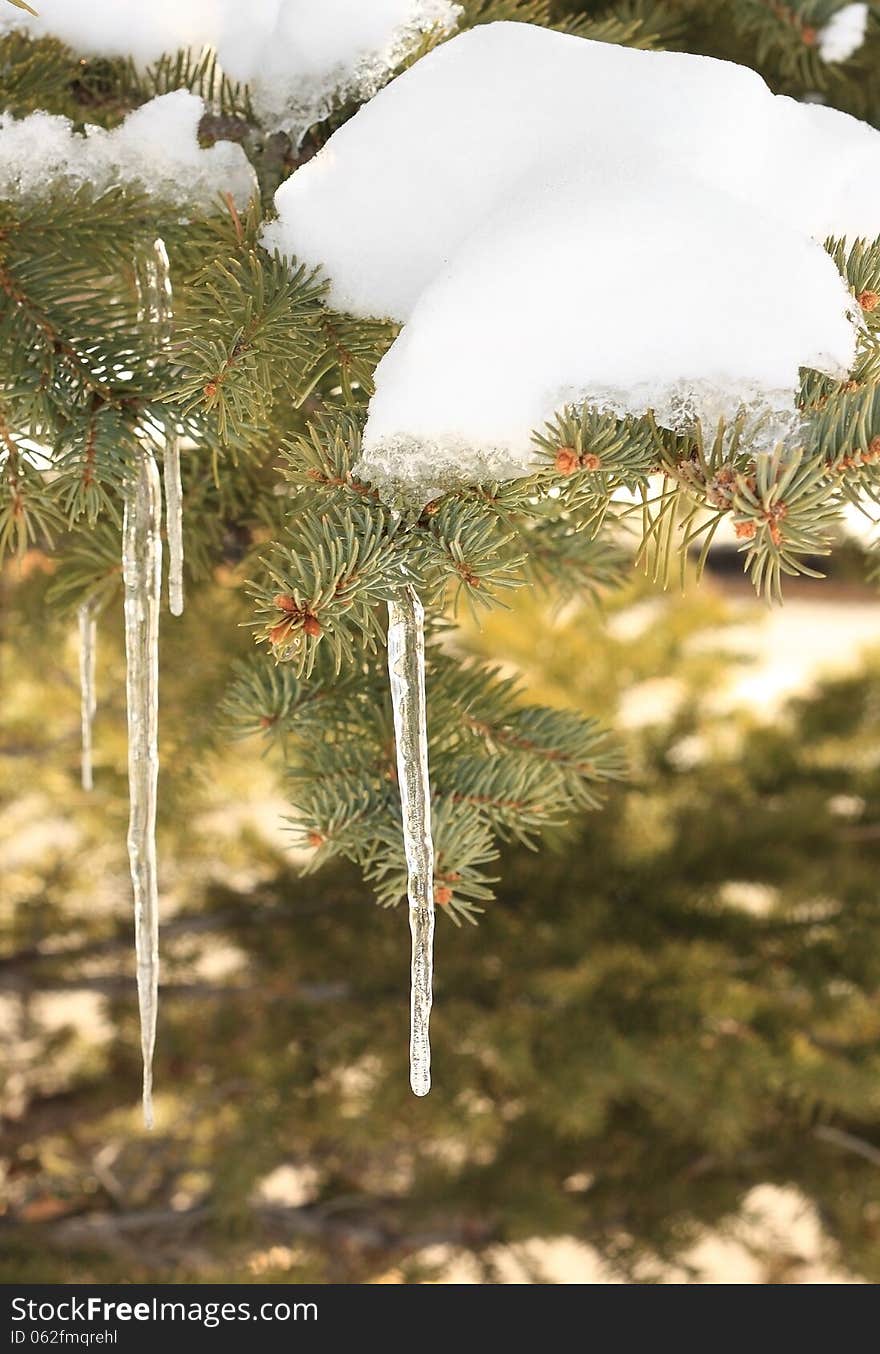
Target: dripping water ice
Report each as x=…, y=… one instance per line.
x=174, y=522
x=406, y=668
x=88, y=633
x=156, y=308
x=142, y=578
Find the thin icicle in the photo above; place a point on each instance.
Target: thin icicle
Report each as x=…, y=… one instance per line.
x=174, y=523
x=157, y=309
x=406, y=667
x=142, y=577
x=88, y=635
x=154, y=285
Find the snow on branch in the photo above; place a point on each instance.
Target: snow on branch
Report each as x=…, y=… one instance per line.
x=156, y=149
x=844, y=33
x=559, y=221
x=297, y=56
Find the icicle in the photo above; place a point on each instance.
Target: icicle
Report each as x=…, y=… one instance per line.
x=174, y=523
x=142, y=577
x=406, y=667
x=88, y=634
x=154, y=285
x=156, y=308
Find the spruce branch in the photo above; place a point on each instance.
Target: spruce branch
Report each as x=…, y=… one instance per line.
x=28, y=514
x=273, y=701
x=248, y=336
x=464, y=850
x=35, y=73
x=466, y=546
x=326, y=587
x=197, y=71
x=784, y=513
x=90, y=569
x=574, y=751
x=787, y=35
x=498, y=767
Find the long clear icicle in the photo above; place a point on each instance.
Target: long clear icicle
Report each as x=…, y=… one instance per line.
x=174, y=522
x=88, y=635
x=406, y=668
x=142, y=578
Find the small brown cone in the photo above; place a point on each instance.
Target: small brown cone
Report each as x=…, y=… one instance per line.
x=566, y=461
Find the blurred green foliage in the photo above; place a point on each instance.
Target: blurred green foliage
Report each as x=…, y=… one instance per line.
x=675, y=1003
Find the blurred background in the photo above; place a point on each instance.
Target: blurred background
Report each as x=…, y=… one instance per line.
x=656, y=1058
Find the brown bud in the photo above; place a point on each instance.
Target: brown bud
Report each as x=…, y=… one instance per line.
x=745, y=530
x=280, y=632
x=211, y=390
x=285, y=603
x=316, y=839
x=442, y=895
x=869, y=300
x=566, y=461
x=590, y=461
x=312, y=626
x=809, y=36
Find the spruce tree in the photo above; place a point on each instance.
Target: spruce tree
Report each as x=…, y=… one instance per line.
x=143, y=323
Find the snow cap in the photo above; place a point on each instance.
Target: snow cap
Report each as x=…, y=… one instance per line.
x=297, y=56
x=558, y=219
x=844, y=33
x=156, y=149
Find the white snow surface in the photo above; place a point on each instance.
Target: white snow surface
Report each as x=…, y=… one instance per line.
x=297, y=56
x=562, y=296
x=557, y=219
x=155, y=149
x=844, y=33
